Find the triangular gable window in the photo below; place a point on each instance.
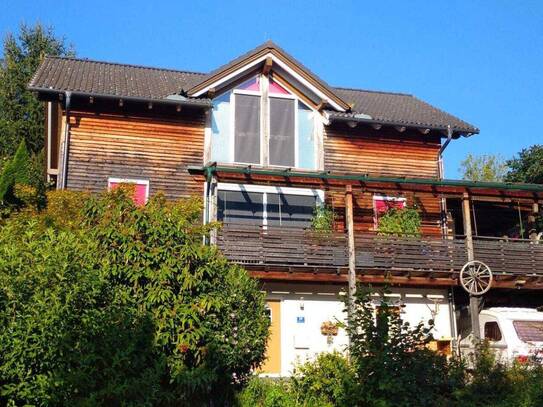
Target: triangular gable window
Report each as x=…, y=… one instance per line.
x=252, y=84
x=277, y=89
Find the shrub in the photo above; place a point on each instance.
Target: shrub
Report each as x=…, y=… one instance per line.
x=265, y=392
x=124, y=307
x=329, y=379
x=22, y=181
x=323, y=219
x=392, y=365
x=400, y=222
x=495, y=383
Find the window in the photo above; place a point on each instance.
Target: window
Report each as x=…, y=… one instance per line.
x=282, y=133
x=141, y=188
x=382, y=204
x=529, y=331
x=247, y=129
x=492, y=331
x=239, y=135
x=267, y=206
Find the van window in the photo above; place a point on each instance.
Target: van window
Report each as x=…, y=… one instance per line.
x=529, y=331
x=492, y=332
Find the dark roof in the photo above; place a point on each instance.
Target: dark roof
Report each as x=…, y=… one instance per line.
x=59, y=74
x=399, y=109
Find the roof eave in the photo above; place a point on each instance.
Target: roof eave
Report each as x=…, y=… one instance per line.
x=464, y=131
x=201, y=103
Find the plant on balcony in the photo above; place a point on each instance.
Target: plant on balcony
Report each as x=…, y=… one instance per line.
x=323, y=219
x=400, y=222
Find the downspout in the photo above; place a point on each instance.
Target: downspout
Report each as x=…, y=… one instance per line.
x=443, y=206
x=62, y=183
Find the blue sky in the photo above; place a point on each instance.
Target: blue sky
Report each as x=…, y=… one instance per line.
x=480, y=60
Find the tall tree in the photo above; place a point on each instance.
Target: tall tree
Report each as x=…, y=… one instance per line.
x=21, y=114
x=483, y=168
x=527, y=166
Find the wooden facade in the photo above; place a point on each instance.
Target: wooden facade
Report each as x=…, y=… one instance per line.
x=155, y=149
x=384, y=152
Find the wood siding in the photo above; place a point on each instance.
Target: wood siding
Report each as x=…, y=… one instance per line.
x=154, y=149
x=384, y=152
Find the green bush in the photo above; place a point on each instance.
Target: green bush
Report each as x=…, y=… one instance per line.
x=329, y=379
x=265, y=392
x=123, y=307
x=392, y=365
x=494, y=383
x=323, y=219
x=400, y=222
x=22, y=181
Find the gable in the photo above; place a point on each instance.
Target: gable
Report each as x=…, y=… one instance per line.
x=269, y=57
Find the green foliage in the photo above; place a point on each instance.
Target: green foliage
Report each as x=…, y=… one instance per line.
x=323, y=219
x=21, y=114
x=389, y=357
x=496, y=384
x=122, y=306
x=263, y=392
x=483, y=168
x=400, y=222
x=328, y=380
x=527, y=166
x=22, y=181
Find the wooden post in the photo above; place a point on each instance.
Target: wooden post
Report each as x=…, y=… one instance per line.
x=532, y=231
x=349, y=223
x=473, y=300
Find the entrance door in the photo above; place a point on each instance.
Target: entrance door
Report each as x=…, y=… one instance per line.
x=272, y=364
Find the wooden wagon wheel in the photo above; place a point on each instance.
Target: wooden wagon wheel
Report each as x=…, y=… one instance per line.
x=476, y=277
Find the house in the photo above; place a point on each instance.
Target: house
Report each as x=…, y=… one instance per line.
x=265, y=141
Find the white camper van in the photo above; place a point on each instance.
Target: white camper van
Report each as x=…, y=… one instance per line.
x=513, y=333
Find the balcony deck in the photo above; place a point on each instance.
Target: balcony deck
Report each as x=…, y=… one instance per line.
x=274, y=253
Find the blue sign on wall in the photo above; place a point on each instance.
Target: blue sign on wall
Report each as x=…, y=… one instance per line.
x=300, y=320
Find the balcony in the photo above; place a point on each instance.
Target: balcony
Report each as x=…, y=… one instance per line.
x=304, y=255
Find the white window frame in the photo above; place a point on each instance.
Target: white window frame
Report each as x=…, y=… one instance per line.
x=265, y=125
x=130, y=181
x=266, y=189
x=377, y=197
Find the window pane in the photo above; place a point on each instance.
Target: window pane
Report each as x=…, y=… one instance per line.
x=290, y=210
x=277, y=89
x=492, y=332
x=282, y=132
x=529, y=331
x=220, y=129
x=306, y=138
x=239, y=207
x=247, y=123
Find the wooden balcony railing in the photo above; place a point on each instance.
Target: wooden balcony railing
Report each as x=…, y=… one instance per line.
x=293, y=249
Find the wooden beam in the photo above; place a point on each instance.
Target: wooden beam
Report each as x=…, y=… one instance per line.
x=267, y=66
x=321, y=105
x=349, y=221
x=473, y=300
